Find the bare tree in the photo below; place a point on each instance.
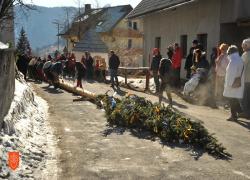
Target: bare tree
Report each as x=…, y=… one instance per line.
x=6, y=8
x=97, y=4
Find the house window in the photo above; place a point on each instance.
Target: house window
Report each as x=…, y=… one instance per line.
x=158, y=42
x=135, y=26
x=184, y=45
x=129, y=43
x=129, y=24
x=202, y=38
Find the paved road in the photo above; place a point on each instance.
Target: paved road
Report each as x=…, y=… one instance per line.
x=85, y=153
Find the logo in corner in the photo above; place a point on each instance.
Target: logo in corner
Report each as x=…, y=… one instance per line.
x=13, y=160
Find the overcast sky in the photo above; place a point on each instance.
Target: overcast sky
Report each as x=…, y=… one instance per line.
x=55, y=3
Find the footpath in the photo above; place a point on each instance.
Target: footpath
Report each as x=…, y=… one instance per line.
x=127, y=157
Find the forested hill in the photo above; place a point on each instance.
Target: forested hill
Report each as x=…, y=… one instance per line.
x=38, y=24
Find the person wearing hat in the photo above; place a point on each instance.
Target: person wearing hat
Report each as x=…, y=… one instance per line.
x=189, y=59
x=234, y=81
x=246, y=59
x=155, y=67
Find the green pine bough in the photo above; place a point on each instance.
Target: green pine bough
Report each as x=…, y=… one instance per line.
x=137, y=112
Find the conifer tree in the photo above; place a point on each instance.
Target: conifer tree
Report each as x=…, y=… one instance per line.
x=23, y=45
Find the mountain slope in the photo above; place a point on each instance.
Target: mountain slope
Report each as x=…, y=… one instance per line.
x=38, y=24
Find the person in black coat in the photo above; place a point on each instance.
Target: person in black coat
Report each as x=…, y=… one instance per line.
x=155, y=67
x=89, y=66
x=22, y=64
x=190, y=59
x=114, y=63
x=55, y=70
x=80, y=71
x=165, y=75
x=200, y=60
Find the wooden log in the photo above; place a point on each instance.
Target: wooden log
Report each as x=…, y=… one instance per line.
x=79, y=91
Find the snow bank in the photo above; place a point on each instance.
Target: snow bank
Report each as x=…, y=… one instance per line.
x=27, y=132
x=139, y=83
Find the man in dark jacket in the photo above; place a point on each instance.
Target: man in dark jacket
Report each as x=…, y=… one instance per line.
x=55, y=70
x=22, y=64
x=189, y=59
x=80, y=71
x=89, y=66
x=114, y=63
x=155, y=67
x=165, y=75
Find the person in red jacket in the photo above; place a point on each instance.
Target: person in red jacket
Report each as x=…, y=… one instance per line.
x=176, y=65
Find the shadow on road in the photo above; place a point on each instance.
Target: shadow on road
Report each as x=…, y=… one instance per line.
x=182, y=106
x=196, y=153
x=119, y=91
x=243, y=122
x=52, y=90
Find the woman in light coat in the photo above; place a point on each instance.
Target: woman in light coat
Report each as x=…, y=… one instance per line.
x=246, y=59
x=221, y=65
x=235, y=69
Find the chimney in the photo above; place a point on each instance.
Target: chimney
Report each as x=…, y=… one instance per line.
x=87, y=8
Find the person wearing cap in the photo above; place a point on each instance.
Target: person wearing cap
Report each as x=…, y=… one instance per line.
x=234, y=81
x=189, y=59
x=114, y=63
x=246, y=59
x=155, y=67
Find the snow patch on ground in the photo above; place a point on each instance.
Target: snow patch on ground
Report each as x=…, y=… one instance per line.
x=136, y=83
x=139, y=83
x=26, y=131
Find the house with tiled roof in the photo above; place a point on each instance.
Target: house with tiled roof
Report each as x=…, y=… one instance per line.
x=102, y=29
x=210, y=21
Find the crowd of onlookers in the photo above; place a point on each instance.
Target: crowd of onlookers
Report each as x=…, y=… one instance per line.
x=49, y=69
x=227, y=76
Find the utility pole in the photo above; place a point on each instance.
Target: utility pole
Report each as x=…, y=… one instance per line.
x=56, y=22
x=67, y=29
x=79, y=18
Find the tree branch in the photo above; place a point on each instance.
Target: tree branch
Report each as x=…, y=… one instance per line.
x=6, y=8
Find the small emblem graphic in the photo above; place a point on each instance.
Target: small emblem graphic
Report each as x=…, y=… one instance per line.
x=13, y=160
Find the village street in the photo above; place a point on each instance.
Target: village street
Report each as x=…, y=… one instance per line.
x=63, y=118
x=88, y=149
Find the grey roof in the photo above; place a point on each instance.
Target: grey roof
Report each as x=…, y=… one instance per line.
x=112, y=16
x=91, y=42
x=149, y=6
x=108, y=17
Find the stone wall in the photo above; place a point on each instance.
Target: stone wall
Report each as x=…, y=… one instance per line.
x=7, y=81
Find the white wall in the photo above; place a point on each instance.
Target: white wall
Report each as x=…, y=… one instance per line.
x=192, y=19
